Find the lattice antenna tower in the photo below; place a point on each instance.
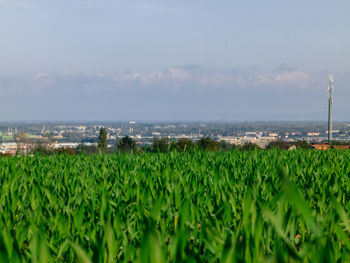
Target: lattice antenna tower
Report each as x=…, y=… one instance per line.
x=330, y=106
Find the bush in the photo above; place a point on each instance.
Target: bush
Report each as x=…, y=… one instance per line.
x=208, y=144
x=280, y=144
x=126, y=144
x=302, y=144
x=249, y=146
x=44, y=149
x=182, y=145
x=40, y=149
x=225, y=146
x=340, y=143
x=64, y=150
x=85, y=149
x=160, y=145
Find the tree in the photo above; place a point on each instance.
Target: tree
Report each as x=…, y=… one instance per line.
x=65, y=150
x=225, y=146
x=102, y=140
x=42, y=148
x=86, y=149
x=302, y=144
x=160, y=145
x=340, y=143
x=207, y=144
x=126, y=144
x=249, y=146
x=280, y=144
x=182, y=145
x=25, y=145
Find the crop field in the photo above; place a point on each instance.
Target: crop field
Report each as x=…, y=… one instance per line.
x=238, y=206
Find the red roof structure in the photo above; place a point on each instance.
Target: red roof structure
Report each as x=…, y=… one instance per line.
x=325, y=146
x=341, y=147
x=320, y=146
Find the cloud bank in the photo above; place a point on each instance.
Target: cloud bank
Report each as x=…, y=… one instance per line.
x=175, y=93
x=195, y=77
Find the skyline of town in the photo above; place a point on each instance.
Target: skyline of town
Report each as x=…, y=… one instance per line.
x=71, y=135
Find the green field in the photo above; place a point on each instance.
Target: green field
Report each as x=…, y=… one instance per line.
x=239, y=206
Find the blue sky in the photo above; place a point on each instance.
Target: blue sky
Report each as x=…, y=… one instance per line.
x=173, y=60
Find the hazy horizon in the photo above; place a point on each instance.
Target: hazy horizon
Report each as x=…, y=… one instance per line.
x=197, y=60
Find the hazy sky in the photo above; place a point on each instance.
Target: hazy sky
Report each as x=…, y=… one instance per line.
x=173, y=59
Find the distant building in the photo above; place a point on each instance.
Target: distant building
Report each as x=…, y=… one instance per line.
x=323, y=146
x=313, y=134
x=326, y=146
x=260, y=141
x=8, y=148
x=251, y=134
x=58, y=137
x=291, y=148
x=333, y=131
x=36, y=137
x=341, y=147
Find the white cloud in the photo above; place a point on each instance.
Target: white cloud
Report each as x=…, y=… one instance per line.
x=100, y=75
x=180, y=77
x=67, y=73
x=41, y=75
x=292, y=76
x=172, y=76
x=292, y=79
x=173, y=79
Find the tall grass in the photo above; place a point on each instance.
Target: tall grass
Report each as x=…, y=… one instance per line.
x=239, y=206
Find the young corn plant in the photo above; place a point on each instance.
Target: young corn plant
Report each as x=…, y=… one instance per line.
x=237, y=206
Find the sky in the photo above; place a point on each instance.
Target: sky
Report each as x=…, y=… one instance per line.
x=193, y=60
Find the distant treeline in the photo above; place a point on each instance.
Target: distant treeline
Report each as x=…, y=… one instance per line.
x=163, y=145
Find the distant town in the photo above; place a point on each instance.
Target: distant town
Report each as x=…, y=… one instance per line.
x=71, y=135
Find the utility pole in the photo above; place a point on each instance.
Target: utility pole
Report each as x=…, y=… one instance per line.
x=330, y=104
